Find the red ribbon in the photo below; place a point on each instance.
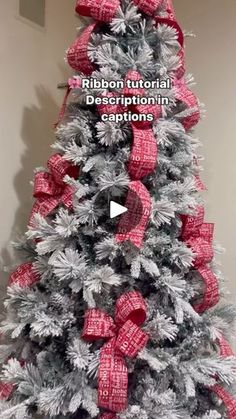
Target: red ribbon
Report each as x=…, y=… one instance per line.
x=125, y=338
x=185, y=95
x=169, y=9
x=24, y=276
x=77, y=54
x=108, y=415
x=227, y=399
x=105, y=10
x=225, y=348
x=143, y=158
x=198, y=236
x=132, y=224
x=73, y=83
x=50, y=189
x=6, y=390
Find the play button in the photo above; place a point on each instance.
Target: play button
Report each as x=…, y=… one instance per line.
x=116, y=209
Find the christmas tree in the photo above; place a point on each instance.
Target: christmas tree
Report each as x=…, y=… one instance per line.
x=120, y=317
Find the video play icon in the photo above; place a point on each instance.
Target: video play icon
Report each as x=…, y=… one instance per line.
x=116, y=209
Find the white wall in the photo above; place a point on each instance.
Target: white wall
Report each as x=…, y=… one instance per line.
x=31, y=65
x=211, y=57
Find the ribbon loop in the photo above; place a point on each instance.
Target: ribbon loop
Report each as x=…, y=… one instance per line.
x=125, y=338
x=103, y=10
x=148, y=6
x=44, y=185
x=98, y=325
x=130, y=306
x=77, y=54
x=132, y=224
x=199, y=236
x=131, y=339
x=50, y=189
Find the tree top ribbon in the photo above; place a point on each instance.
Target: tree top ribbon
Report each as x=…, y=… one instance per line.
x=50, y=189
x=199, y=236
x=106, y=10
x=125, y=338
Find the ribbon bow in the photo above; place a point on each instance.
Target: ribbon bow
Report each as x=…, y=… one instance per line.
x=199, y=236
x=125, y=338
x=50, y=189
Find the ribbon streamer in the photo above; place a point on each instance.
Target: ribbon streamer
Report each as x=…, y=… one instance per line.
x=227, y=399
x=180, y=72
x=143, y=158
x=188, y=98
x=199, y=236
x=132, y=224
x=50, y=189
x=73, y=83
x=24, y=276
x=225, y=348
x=77, y=54
x=125, y=338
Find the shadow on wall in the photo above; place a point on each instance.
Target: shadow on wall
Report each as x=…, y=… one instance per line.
x=37, y=134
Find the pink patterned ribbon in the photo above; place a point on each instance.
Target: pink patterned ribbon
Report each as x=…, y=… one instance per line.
x=24, y=275
x=143, y=158
x=225, y=348
x=105, y=10
x=198, y=236
x=73, y=83
x=170, y=9
x=6, y=390
x=77, y=54
x=186, y=96
x=228, y=400
x=132, y=224
x=125, y=338
x=50, y=189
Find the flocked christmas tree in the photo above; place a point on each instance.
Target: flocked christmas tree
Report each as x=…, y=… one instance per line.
x=120, y=318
